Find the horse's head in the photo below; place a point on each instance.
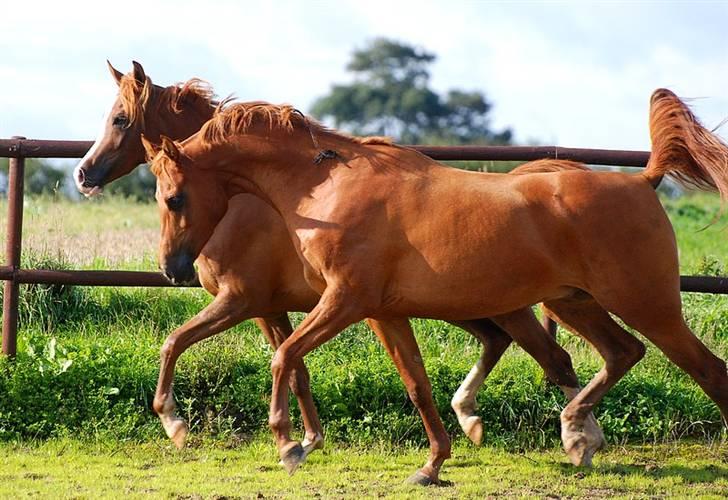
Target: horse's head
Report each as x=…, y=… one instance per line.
x=191, y=203
x=118, y=149
x=141, y=107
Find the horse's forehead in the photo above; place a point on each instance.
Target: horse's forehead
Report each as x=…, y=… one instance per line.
x=170, y=178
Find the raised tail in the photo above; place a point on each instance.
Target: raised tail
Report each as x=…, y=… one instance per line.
x=683, y=148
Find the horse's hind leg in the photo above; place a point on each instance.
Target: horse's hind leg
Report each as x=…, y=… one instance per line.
x=533, y=338
x=536, y=341
x=399, y=341
x=276, y=330
x=671, y=335
x=620, y=351
x=495, y=342
x=221, y=314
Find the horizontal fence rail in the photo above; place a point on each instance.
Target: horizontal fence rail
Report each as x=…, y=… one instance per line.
x=19, y=148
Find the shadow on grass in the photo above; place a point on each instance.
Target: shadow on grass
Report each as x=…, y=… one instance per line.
x=699, y=474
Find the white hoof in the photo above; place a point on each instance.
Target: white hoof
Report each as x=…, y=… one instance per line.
x=580, y=441
x=309, y=445
x=473, y=428
x=177, y=431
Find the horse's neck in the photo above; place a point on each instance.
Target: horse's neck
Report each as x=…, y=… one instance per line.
x=280, y=172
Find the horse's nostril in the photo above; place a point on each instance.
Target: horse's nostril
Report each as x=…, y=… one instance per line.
x=80, y=175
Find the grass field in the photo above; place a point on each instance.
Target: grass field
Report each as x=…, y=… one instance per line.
x=78, y=396
x=69, y=469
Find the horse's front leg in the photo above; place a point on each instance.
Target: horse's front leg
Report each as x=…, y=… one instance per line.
x=222, y=313
x=277, y=329
x=399, y=341
x=335, y=311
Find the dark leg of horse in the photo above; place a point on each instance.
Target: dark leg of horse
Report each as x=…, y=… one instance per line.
x=495, y=342
x=525, y=329
x=277, y=330
x=335, y=311
x=222, y=313
x=399, y=341
x=620, y=351
x=522, y=326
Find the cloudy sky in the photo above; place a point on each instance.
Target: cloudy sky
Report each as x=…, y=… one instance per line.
x=568, y=73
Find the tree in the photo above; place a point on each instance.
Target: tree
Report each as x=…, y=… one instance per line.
x=139, y=184
x=390, y=95
x=40, y=177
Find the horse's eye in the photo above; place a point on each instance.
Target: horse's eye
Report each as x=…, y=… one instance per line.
x=120, y=121
x=174, y=203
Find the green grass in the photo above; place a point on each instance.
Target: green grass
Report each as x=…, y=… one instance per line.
x=69, y=469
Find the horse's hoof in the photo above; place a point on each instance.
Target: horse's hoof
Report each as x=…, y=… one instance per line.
x=419, y=478
x=316, y=443
x=177, y=431
x=473, y=428
x=581, y=440
x=579, y=453
x=581, y=458
x=591, y=426
x=292, y=458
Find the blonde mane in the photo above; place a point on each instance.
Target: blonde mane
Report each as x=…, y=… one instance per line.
x=237, y=118
x=135, y=96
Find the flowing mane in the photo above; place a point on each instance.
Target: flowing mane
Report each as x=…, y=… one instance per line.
x=135, y=95
x=237, y=118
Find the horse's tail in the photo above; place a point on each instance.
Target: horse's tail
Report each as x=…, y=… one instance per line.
x=683, y=148
x=540, y=166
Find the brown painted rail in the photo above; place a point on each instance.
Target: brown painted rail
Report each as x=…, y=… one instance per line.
x=19, y=148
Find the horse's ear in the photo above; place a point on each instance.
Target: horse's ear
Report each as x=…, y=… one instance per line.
x=170, y=148
x=150, y=148
x=139, y=72
x=115, y=73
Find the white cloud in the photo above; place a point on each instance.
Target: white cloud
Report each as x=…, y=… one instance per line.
x=558, y=72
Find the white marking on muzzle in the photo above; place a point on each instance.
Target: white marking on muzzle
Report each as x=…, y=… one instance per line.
x=89, y=192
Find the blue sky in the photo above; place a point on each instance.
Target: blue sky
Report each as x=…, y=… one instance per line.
x=569, y=73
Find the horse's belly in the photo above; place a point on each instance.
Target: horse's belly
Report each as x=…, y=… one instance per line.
x=476, y=288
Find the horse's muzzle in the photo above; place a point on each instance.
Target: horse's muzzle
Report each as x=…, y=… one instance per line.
x=179, y=269
x=89, y=183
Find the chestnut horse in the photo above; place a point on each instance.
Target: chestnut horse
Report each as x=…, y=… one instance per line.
x=247, y=276
x=387, y=233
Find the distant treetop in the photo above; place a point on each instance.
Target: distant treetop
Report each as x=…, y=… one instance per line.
x=391, y=96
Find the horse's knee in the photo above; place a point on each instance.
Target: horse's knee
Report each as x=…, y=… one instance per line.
x=282, y=362
x=168, y=348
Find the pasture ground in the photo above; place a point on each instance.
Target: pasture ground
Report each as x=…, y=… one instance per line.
x=70, y=469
